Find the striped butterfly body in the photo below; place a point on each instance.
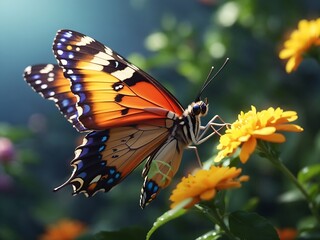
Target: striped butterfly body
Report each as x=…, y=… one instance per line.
x=129, y=116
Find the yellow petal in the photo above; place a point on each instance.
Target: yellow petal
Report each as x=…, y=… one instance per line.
x=275, y=137
x=207, y=195
x=247, y=149
x=244, y=138
x=289, y=128
x=286, y=53
x=264, y=131
x=291, y=64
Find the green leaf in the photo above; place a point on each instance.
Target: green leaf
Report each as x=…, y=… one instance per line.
x=168, y=216
x=219, y=202
x=251, y=204
x=212, y=235
x=134, y=233
x=251, y=226
x=308, y=173
x=14, y=133
x=291, y=196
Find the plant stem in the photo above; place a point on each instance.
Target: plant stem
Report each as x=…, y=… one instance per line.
x=273, y=156
x=216, y=218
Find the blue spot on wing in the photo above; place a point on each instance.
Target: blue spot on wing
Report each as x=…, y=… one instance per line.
x=65, y=102
x=102, y=148
x=70, y=109
x=67, y=34
x=79, y=165
x=111, y=180
x=74, y=77
x=82, y=175
x=77, y=87
x=36, y=76
x=86, y=109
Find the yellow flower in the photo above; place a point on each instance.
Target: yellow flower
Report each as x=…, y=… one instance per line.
x=64, y=230
x=204, y=184
x=300, y=41
x=255, y=125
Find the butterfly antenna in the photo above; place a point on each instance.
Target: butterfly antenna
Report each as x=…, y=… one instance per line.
x=209, y=79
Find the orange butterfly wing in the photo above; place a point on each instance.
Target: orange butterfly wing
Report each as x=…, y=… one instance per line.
x=106, y=157
x=130, y=114
x=111, y=91
x=48, y=80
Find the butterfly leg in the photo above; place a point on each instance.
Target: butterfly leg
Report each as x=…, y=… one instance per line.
x=202, y=137
x=197, y=154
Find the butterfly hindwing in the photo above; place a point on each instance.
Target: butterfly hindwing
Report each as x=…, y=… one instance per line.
x=160, y=169
x=106, y=157
x=112, y=92
x=48, y=80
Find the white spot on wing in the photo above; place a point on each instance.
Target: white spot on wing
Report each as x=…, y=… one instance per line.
x=103, y=56
x=108, y=51
x=123, y=74
x=96, y=179
x=28, y=70
x=44, y=86
x=80, y=111
x=73, y=116
x=170, y=115
x=47, y=68
x=100, y=190
x=102, y=59
x=77, y=153
x=64, y=62
x=85, y=41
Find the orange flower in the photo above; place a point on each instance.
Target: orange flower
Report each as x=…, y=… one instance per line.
x=300, y=41
x=204, y=184
x=287, y=233
x=64, y=230
x=255, y=125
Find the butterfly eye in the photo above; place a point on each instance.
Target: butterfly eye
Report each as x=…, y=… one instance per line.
x=196, y=109
x=204, y=108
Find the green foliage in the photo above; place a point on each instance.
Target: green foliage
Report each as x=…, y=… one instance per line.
x=167, y=216
x=212, y=235
x=251, y=226
x=134, y=233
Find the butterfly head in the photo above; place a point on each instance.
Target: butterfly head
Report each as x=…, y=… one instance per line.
x=199, y=108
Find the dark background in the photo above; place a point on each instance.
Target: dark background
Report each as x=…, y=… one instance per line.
x=194, y=35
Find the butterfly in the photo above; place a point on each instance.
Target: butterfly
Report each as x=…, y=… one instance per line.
x=129, y=116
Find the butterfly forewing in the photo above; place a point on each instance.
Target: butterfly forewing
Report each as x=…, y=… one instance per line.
x=48, y=80
x=112, y=92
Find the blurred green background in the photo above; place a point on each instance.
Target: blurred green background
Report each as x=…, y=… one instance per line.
x=176, y=42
